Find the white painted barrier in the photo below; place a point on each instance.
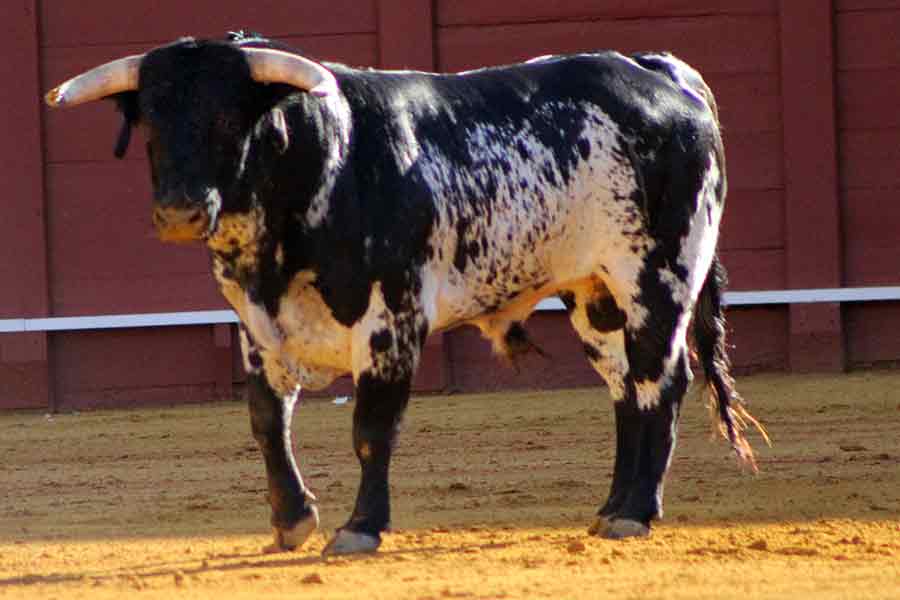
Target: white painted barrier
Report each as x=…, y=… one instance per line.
x=213, y=317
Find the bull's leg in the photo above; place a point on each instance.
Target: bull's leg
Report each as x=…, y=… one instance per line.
x=647, y=398
x=658, y=377
x=376, y=419
x=600, y=324
x=646, y=434
x=386, y=350
x=294, y=517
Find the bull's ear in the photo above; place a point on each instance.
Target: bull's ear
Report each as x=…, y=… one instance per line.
x=127, y=104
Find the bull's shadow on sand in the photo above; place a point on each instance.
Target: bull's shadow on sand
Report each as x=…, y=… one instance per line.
x=236, y=562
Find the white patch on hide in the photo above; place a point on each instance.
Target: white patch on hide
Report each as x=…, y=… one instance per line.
x=316, y=348
x=398, y=360
x=542, y=231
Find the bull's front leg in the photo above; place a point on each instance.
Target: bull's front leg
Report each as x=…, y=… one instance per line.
x=294, y=517
x=376, y=420
x=386, y=351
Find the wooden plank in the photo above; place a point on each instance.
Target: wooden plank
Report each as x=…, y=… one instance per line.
x=865, y=5
x=433, y=374
x=748, y=102
x=105, y=257
x=68, y=23
x=868, y=99
x=867, y=40
x=758, y=339
x=754, y=220
x=406, y=35
x=714, y=45
x=755, y=269
x=871, y=334
x=101, y=363
x=478, y=12
x=755, y=160
x=24, y=371
x=869, y=158
x=65, y=128
x=870, y=222
x=224, y=338
x=355, y=49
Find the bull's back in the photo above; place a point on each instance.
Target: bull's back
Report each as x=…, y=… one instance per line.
x=530, y=172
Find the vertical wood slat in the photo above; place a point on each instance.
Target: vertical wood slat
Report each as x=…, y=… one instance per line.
x=814, y=251
x=24, y=373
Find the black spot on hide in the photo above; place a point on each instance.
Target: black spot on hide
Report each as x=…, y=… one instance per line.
x=568, y=299
x=605, y=315
x=592, y=352
x=381, y=341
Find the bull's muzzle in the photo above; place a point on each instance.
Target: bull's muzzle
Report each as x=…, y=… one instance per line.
x=181, y=224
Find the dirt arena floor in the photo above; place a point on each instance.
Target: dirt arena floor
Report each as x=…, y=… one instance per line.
x=492, y=497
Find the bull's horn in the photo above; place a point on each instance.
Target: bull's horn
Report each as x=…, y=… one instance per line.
x=111, y=78
x=275, y=66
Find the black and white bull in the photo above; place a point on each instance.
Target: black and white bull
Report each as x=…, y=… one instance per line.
x=350, y=213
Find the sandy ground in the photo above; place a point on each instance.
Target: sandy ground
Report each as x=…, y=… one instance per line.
x=492, y=497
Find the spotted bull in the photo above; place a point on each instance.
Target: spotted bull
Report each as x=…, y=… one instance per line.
x=350, y=213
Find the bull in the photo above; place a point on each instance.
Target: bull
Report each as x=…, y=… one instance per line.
x=350, y=213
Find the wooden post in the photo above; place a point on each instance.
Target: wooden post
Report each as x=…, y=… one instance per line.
x=813, y=235
x=24, y=371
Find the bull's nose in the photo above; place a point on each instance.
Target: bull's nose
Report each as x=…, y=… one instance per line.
x=180, y=224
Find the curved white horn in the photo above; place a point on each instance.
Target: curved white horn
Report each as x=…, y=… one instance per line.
x=275, y=66
x=111, y=78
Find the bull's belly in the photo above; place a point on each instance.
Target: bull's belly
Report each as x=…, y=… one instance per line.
x=509, y=286
x=286, y=369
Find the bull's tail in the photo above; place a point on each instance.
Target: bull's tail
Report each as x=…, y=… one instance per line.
x=709, y=337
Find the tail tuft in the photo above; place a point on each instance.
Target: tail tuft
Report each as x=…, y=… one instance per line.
x=724, y=401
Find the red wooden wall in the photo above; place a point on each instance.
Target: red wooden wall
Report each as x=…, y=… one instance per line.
x=867, y=65
x=807, y=89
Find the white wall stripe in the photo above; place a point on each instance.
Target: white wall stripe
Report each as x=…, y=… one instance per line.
x=213, y=317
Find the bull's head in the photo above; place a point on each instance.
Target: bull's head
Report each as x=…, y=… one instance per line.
x=197, y=102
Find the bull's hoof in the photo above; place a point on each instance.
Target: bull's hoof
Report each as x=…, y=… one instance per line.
x=617, y=529
x=598, y=526
x=351, y=542
x=287, y=540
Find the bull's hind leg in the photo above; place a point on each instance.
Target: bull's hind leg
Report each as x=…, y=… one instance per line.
x=294, y=517
x=646, y=428
x=647, y=387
